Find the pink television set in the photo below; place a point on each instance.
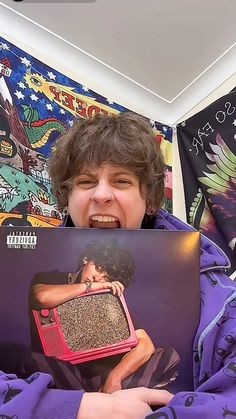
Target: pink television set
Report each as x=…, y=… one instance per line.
x=95, y=325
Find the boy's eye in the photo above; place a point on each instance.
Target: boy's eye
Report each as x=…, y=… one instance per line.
x=123, y=181
x=85, y=182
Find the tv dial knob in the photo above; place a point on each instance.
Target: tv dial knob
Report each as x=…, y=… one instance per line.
x=44, y=313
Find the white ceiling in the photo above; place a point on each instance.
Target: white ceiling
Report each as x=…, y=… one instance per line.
x=162, y=45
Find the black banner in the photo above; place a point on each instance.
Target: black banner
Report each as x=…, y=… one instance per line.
x=207, y=146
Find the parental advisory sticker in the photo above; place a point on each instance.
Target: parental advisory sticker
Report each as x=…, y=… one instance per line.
x=21, y=240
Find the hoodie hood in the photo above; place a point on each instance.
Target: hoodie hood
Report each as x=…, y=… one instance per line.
x=212, y=256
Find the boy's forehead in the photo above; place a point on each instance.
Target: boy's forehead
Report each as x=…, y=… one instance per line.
x=93, y=169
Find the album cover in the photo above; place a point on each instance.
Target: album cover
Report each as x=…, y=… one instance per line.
x=101, y=309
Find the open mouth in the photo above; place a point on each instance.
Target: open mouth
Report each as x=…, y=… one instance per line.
x=104, y=221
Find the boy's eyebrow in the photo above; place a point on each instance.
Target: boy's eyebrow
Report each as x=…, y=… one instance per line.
x=124, y=172
x=86, y=173
x=115, y=172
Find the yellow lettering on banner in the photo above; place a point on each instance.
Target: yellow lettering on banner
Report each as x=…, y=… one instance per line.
x=66, y=98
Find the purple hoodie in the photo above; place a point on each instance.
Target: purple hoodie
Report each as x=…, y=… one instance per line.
x=214, y=355
x=214, y=349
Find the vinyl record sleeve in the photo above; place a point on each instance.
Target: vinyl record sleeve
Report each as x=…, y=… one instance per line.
x=161, y=298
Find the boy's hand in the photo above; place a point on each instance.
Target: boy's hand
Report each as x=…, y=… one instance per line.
x=124, y=404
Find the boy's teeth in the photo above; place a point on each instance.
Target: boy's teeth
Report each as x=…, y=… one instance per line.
x=104, y=218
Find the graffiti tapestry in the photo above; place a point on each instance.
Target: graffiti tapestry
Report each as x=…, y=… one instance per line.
x=207, y=145
x=37, y=103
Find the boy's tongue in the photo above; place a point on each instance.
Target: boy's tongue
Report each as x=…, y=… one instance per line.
x=104, y=224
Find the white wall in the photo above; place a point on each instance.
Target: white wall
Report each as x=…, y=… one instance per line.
x=79, y=66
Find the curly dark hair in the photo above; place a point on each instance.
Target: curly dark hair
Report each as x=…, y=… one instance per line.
x=109, y=257
x=126, y=139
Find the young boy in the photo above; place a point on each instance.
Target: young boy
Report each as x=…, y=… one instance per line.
x=108, y=172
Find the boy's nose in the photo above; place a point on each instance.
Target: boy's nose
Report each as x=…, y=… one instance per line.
x=103, y=193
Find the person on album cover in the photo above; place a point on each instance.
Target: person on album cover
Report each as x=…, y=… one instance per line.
x=105, y=265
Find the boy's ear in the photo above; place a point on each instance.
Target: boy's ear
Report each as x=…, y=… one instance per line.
x=85, y=260
x=150, y=210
